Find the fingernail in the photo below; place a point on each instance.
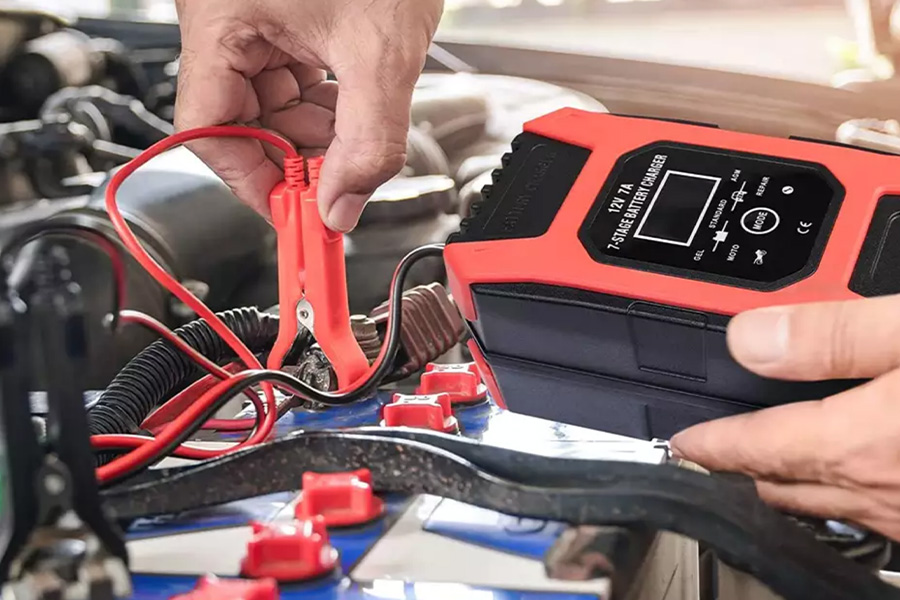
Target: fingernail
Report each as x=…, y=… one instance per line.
x=674, y=446
x=340, y=219
x=345, y=212
x=760, y=336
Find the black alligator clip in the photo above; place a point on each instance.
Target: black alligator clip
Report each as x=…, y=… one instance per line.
x=60, y=539
x=726, y=517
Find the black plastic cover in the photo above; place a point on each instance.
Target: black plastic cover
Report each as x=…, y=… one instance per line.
x=618, y=364
x=525, y=200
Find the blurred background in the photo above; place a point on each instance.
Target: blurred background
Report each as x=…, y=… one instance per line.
x=798, y=39
x=85, y=85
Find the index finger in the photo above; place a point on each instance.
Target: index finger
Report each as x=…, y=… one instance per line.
x=210, y=92
x=833, y=441
x=784, y=442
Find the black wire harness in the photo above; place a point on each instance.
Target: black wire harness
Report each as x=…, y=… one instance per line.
x=161, y=369
x=286, y=382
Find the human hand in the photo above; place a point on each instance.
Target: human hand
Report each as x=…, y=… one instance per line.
x=836, y=458
x=263, y=63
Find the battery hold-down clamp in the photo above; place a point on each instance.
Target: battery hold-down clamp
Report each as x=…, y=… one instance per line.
x=724, y=514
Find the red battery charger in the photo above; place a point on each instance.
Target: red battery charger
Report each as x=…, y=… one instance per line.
x=600, y=271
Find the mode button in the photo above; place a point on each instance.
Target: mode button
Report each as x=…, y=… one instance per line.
x=760, y=221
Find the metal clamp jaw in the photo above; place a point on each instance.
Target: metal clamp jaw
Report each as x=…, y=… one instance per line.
x=312, y=276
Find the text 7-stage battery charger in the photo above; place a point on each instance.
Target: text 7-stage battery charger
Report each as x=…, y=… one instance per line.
x=600, y=271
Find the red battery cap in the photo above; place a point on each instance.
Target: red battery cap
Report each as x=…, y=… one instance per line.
x=341, y=499
x=291, y=551
x=425, y=411
x=461, y=381
x=213, y=588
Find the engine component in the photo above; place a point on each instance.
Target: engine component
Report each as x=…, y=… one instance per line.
x=154, y=202
x=403, y=214
x=59, y=539
x=660, y=232
x=471, y=193
x=315, y=370
x=60, y=59
x=424, y=156
x=431, y=327
x=728, y=518
x=365, y=330
x=50, y=63
x=78, y=138
x=20, y=25
x=453, y=113
x=96, y=103
x=51, y=158
x=476, y=167
x=62, y=153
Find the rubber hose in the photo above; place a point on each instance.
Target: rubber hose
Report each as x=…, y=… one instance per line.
x=160, y=369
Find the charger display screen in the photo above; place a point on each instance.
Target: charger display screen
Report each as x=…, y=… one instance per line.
x=713, y=212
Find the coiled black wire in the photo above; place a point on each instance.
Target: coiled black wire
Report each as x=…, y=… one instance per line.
x=160, y=369
x=290, y=383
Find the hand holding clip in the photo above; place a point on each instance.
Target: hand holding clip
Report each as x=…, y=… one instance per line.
x=312, y=277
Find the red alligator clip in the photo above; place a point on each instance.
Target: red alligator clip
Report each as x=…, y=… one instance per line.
x=312, y=276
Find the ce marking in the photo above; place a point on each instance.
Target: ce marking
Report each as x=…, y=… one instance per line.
x=804, y=228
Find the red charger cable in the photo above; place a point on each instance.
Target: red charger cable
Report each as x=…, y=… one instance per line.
x=123, y=441
x=167, y=280
x=215, y=371
x=148, y=450
x=151, y=448
x=173, y=407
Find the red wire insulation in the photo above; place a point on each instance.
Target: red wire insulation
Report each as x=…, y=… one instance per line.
x=139, y=318
x=163, y=415
x=167, y=280
x=120, y=442
x=215, y=371
x=150, y=448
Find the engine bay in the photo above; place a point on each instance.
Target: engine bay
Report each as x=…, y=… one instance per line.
x=170, y=332
x=100, y=106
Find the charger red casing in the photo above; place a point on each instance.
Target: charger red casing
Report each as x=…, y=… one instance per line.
x=599, y=273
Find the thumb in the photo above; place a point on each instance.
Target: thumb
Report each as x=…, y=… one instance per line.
x=369, y=147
